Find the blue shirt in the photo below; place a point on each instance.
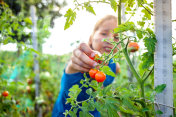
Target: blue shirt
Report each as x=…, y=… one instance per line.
x=67, y=81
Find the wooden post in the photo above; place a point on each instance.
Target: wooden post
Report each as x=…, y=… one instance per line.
x=163, y=70
x=36, y=63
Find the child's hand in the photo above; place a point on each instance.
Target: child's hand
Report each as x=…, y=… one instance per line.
x=80, y=60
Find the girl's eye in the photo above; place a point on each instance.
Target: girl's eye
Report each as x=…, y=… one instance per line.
x=104, y=34
x=116, y=37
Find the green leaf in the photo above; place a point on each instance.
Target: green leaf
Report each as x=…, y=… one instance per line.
x=141, y=23
x=139, y=2
x=107, y=89
x=139, y=34
x=124, y=27
x=130, y=3
x=147, y=60
x=93, y=84
x=33, y=50
x=159, y=112
x=146, y=13
x=112, y=110
x=98, y=105
x=89, y=91
x=70, y=18
x=85, y=114
x=72, y=114
x=160, y=88
x=145, y=109
x=112, y=100
x=84, y=106
x=89, y=8
x=150, y=42
x=74, y=91
x=107, y=70
x=113, y=4
x=91, y=105
x=28, y=20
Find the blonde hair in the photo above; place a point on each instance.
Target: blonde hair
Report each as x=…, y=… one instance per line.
x=99, y=23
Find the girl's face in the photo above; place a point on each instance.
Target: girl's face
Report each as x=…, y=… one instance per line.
x=104, y=32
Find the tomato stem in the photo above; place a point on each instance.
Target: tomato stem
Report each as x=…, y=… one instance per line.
x=124, y=49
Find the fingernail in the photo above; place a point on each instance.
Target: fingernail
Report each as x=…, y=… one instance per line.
x=92, y=54
x=95, y=64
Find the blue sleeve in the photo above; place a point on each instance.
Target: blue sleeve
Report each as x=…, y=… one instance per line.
x=67, y=81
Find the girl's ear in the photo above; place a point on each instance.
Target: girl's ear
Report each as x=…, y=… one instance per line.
x=90, y=42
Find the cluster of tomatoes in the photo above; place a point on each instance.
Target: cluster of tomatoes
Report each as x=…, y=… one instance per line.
x=99, y=76
x=96, y=74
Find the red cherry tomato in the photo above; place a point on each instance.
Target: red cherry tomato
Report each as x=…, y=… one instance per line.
x=100, y=76
x=133, y=46
x=5, y=93
x=29, y=81
x=92, y=72
x=96, y=58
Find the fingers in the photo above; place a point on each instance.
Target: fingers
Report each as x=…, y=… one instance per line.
x=80, y=63
x=83, y=58
x=77, y=67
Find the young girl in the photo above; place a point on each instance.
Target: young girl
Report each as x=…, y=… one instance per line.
x=80, y=62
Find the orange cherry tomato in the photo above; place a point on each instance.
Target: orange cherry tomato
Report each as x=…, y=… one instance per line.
x=92, y=72
x=100, y=76
x=133, y=46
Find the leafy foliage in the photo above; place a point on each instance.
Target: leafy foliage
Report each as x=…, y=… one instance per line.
x=124, y=27
x=70, y=18
x=113, y=5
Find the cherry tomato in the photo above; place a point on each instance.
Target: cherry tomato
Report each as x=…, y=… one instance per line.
x=29, y=81
x=28, y=88
x=133, y=46
x=92, y=72
x=96, y=58
x=100, y=76
x=5, y=93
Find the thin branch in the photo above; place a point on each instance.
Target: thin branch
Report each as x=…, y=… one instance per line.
x=145, y=78
x=146, y=9
x=157, y=103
